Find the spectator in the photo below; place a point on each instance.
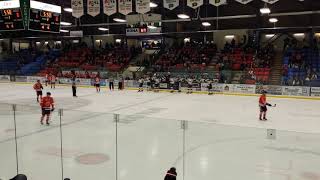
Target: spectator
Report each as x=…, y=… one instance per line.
x=20, y=177
x=296, y=81
x=307, y=80
x=314, y=76
x=233, y=43
x=171, y=174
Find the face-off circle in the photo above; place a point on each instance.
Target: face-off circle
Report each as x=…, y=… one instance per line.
x=92, y=158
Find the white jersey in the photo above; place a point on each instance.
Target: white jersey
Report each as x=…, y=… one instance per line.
x=190, y=81
x=172, y=80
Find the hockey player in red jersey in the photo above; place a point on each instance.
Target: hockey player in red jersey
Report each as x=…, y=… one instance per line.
x=97, y=83
x=38, y=88
x=53, y=80
x=47, y=106
x=263, y=106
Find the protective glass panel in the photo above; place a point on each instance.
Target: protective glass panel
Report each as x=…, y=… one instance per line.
x=38, y=144
x=148, y=147
x=8, y=165
x=89, y=145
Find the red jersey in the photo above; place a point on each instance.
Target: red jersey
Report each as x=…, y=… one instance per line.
x=47, y=102
x=53, y=78
x=37, y=86
x=97, y=80
x=262, y=100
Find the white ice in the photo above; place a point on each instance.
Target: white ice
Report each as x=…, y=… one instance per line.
x=223, y=140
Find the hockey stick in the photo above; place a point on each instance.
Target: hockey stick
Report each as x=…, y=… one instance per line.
x=275, y=105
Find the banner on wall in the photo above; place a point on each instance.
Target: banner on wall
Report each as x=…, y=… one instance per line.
x=194, y=3
x=295, y=91
x=163, y=85
x=270, y=1
x=4, y=78
x=34, y=79
x=315, y=91
x=93, y=7
x=215, y=87
x=275, y=90
x=244, y=1
x=217, y=2
x=21, y=78
x=79, y=81
x=77, y=8
x=170, y=4
x=142, y=6
x=244, y=88
x=227, y=87
x=109, y=7
x=125, y=6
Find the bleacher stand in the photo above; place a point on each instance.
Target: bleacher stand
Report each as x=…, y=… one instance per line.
x=111, y=58
x=301, y=67
x=233, y=64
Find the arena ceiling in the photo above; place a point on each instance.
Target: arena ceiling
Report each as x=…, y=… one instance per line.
x=292, y=14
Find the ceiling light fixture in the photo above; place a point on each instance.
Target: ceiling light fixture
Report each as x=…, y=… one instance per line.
x=229, y=36
x=206, y=24
x=183, y=16
x=67, y=9
x=269, y=35
x=64, y=31
x=65, y=23
x=273, y=20
x=153, y=5
x=103, y=29
x=265, y=9
x=299, y=34
x=119, y=20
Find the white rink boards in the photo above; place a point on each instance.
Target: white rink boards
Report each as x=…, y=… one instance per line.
x=224, y=138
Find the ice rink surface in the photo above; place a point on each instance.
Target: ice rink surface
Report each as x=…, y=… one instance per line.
x=223, y=140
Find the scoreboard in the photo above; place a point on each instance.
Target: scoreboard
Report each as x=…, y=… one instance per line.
x=11, y=18
x=44, y=17
x=35, y=16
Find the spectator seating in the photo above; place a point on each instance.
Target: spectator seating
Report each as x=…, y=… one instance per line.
x=194, y=57
x=24, y=62
x=301, y=67
x=110, y=58
x=233, y=64
x=9, y=65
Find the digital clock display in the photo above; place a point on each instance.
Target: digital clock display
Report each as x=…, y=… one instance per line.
x=44, y=17
x=41, y=20
x=11, y=19
x=10, y=15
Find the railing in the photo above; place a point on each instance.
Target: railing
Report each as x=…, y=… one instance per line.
x=88, y=145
